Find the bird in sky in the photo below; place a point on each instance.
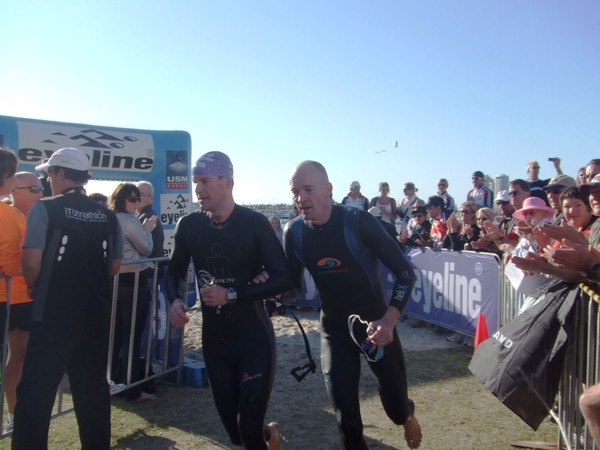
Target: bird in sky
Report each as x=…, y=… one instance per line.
x=383, y=151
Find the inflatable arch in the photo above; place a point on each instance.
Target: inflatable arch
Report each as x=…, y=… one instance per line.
x=117, y=154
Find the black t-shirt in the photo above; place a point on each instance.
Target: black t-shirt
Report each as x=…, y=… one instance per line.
x=80, y=240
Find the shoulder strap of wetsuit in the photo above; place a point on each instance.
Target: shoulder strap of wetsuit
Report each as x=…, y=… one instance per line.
x=354, y=245
x=296, y=231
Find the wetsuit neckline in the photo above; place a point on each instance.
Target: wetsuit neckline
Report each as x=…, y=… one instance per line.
x=220, y=225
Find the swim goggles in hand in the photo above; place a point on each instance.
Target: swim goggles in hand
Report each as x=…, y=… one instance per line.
x=359, y=331
x=205, y=279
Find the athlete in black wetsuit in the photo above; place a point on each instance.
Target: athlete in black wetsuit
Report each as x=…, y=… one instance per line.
x=233, y=244
x=340, y=248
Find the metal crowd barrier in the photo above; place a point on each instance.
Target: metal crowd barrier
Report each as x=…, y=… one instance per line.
x=161, y=367
x=581, y=364
x=580, y=370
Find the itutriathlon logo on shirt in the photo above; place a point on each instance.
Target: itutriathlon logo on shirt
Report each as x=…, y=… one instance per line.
x=85, y=216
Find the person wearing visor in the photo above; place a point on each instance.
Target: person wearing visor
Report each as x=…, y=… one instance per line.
x=229, y=246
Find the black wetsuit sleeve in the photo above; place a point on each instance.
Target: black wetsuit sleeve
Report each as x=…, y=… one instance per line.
x=273, y=259
x=375, y=238
x=178, y=264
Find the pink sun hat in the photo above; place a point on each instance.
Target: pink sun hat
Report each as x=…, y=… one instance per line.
x=534, y=204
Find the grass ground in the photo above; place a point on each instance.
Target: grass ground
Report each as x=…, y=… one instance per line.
x=455, y=411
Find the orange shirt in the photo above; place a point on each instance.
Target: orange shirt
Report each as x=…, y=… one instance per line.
x=12, y=224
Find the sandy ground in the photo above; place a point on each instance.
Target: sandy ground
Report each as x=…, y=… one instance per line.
x=453, y=407
x=413, y=339
x=303, y=408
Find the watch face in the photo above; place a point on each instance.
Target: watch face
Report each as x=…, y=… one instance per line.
x=231, y=294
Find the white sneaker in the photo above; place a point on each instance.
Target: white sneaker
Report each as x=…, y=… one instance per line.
x=9, y=423
x=116, y=388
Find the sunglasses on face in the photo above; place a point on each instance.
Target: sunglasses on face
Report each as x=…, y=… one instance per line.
x=553, y=191
x=464, y=211
x=133, y=199
x=32, y=189
x=502, y=203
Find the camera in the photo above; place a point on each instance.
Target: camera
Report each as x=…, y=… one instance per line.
x=552, y=159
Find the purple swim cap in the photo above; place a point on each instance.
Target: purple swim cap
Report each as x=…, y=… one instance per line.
x=214, y=163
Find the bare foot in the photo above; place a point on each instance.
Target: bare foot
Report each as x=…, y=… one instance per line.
x=412, y=432
x=273, y=442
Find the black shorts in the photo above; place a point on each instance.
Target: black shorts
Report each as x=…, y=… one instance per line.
x=21, y=316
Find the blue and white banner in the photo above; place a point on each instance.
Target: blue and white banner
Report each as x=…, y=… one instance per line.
x=161, y=157
x=454, y=288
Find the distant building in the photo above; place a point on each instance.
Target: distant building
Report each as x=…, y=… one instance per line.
x=500, y=183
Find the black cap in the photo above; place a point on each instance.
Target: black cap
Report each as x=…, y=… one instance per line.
x=420, y=210
x=435, y=200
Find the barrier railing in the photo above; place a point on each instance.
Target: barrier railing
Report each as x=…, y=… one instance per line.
x=581, y=364
x=158, y=363
x=162, y=364
x=580, y=369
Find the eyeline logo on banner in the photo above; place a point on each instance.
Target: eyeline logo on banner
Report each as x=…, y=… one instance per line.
x=114, y=151
x=448, y=291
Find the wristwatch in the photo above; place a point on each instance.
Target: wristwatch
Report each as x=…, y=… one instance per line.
x=231, y=296
x=592, y=273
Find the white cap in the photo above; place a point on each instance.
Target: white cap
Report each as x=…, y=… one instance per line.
x=69, y=158
x=502, y=196
x=375, y=211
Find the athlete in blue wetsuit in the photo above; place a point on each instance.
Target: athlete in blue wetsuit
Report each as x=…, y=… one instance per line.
x=340, y=248
x=232, y=244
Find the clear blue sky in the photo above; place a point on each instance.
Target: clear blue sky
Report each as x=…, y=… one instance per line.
x=461, y=85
